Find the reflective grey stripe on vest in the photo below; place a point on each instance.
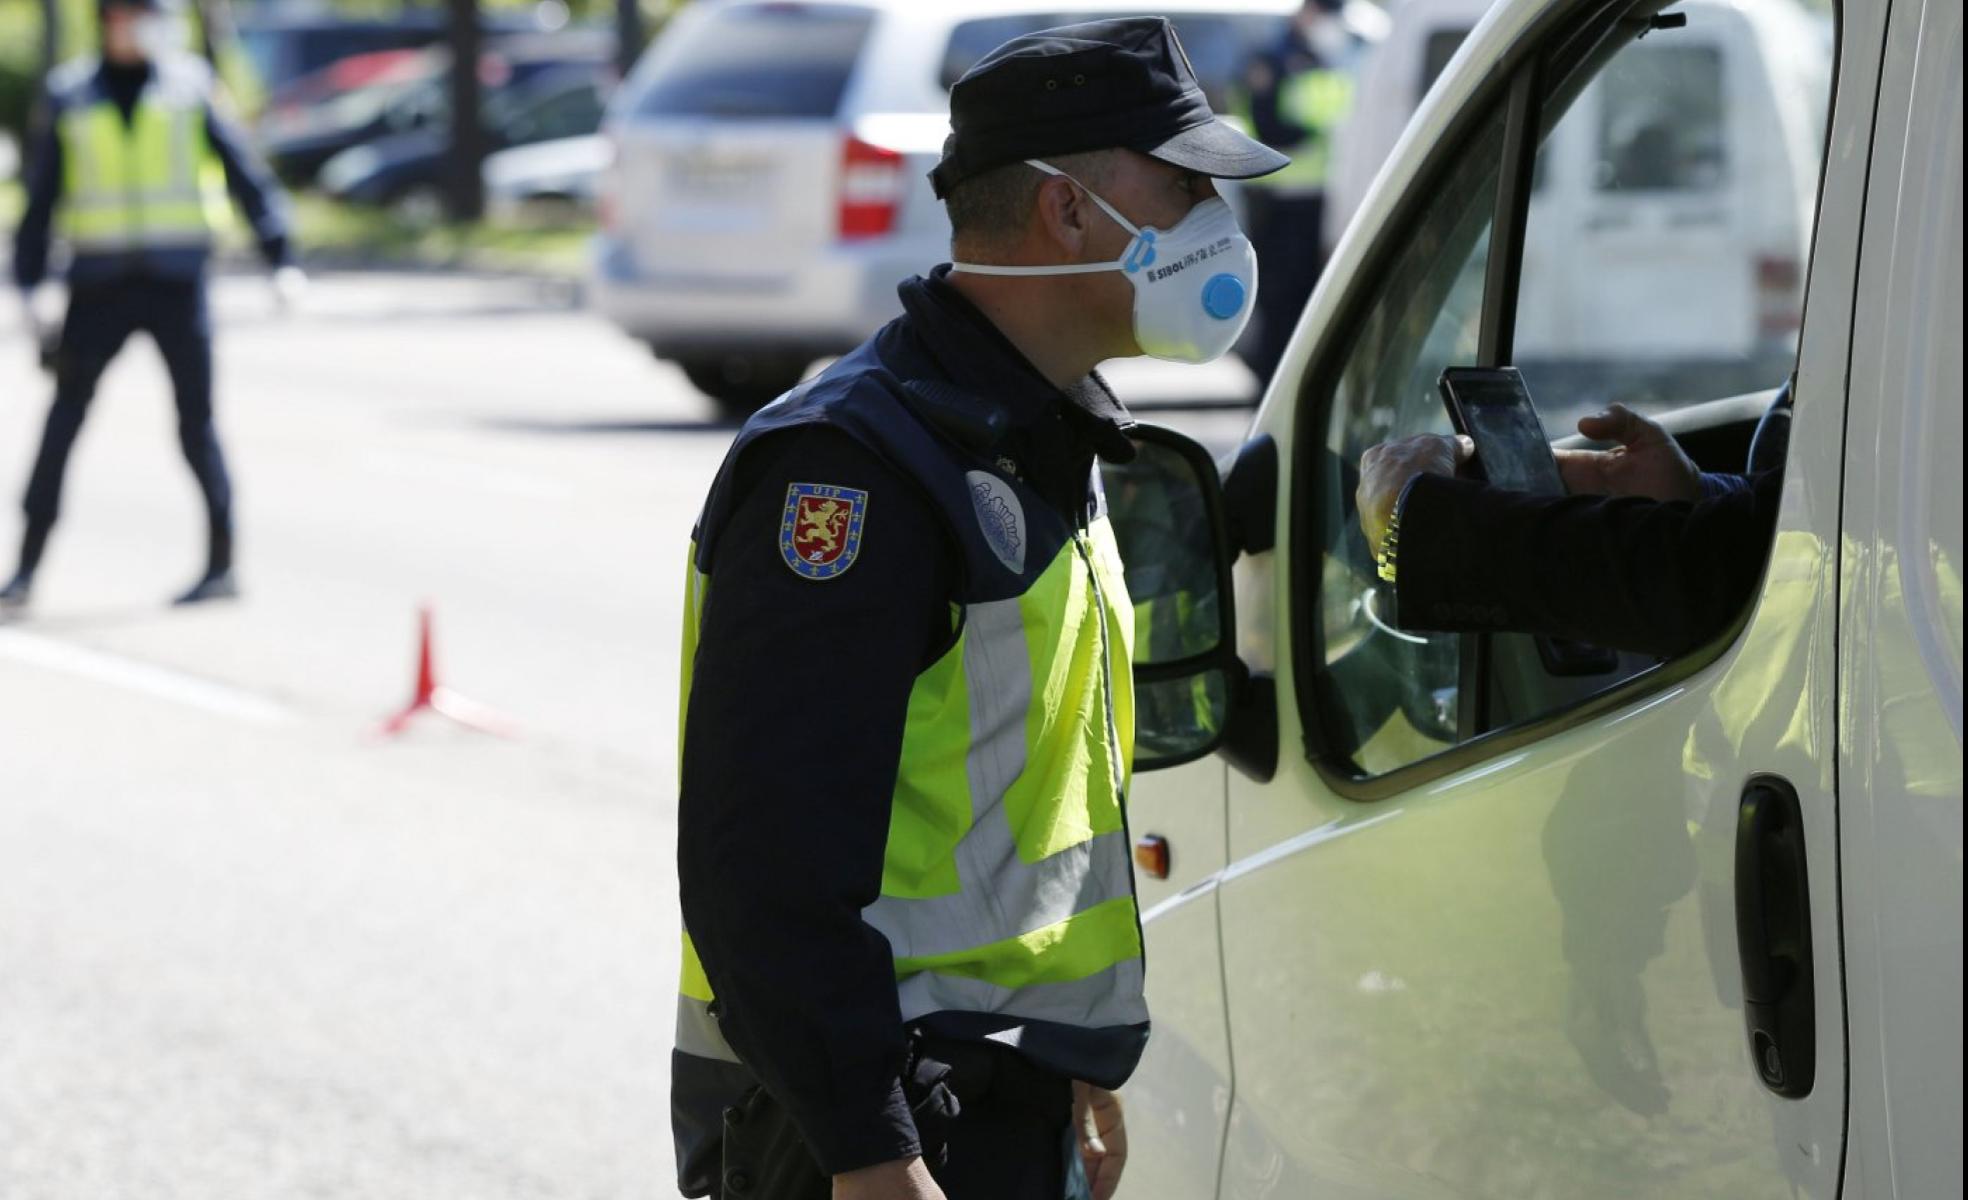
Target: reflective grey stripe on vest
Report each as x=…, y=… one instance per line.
x=697, y=1031
x=1110, y=997
x=996, y=881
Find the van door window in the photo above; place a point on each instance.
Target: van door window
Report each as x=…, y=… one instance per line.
x=1667, y=229
x=1664, y=251
x=1390, y=697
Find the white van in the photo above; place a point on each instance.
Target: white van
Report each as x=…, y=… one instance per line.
x=1697, y=154
x=1431, y=922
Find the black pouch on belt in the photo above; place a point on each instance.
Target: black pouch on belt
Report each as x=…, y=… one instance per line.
x=764, y=1156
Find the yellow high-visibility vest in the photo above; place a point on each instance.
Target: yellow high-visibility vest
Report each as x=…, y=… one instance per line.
x=152, y=182
x=1007, y=888
x=1317, y=101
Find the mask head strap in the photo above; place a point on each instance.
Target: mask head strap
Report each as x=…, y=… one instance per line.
x=1140, y=236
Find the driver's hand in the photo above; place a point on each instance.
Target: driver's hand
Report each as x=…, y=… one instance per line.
x=1386, y=469
x=1647, y=462
x=1102, y=1136
x=903, y=1179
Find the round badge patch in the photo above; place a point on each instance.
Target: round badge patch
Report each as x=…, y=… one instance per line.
x=1001, y=517
x=820, y=530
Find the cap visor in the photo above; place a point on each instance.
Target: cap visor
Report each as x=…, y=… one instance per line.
x=1217, y=149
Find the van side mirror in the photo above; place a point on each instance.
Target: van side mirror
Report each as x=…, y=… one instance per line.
x=1166, y=509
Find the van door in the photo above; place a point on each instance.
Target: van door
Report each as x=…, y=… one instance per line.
x=1900, y=629
x=1482, y=938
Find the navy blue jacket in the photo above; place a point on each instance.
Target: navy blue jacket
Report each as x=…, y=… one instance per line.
x=251, y=187
x=794, y=728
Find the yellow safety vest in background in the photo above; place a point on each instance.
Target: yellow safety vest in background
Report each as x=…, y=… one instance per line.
x=1318, y=101
x=150, y=183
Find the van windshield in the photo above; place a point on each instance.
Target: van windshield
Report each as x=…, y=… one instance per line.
x=1218, y=44
x=755, y=61
x=1661, y=125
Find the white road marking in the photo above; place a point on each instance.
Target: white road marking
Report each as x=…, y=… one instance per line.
x=136, y=676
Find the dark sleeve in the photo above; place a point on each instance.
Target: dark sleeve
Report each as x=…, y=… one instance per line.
x=1715, y=485
x=44, y=178
x=1271, y=128
x=1625, y=573
x=253, y=188
x=792, y=738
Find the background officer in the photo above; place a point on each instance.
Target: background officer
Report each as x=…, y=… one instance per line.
x=913, y=950
x=137, y=160
x=1296, y=94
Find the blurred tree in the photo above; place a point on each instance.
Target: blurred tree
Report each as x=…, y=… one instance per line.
x=628, y=35
x=464, y=183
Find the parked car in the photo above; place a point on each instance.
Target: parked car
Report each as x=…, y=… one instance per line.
x=553, y=182
x=1715, y=133
x=413, y=96
x=1434, y=922
x=769, y=190
x=298, y=138
x=285, y=46
x=285, y=42
x=407, y=169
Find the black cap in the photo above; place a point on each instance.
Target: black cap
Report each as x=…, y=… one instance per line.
x=1105, y=84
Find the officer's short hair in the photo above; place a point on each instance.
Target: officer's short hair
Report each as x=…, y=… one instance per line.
x=995, y=205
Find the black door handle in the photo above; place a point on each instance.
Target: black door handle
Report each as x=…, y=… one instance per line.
x=1773, y=933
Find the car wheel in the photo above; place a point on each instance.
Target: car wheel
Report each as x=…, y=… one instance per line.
x=741, y=384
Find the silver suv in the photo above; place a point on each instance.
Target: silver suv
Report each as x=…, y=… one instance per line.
x=768, y=189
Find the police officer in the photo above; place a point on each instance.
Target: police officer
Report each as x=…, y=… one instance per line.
x=137, y=161
x=1296, y=94
x=913, y=963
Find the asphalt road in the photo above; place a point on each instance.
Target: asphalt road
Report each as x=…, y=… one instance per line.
x=247, y=947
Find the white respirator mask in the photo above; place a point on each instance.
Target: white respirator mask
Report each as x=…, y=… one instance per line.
x=159, y=34
x=1193, y=283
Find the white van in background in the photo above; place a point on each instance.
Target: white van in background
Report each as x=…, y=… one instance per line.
x=1692, y=155
x=1437, y=924
x=770, y=184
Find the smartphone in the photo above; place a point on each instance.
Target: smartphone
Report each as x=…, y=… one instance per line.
x=1493, y=407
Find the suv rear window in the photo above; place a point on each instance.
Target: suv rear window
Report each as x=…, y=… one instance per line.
x=756, y=61
x=1218, y=44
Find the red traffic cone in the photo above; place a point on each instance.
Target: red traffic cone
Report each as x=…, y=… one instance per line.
x=429, y=696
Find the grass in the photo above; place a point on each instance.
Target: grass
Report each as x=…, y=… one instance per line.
x=327, y=231
x=332, y=234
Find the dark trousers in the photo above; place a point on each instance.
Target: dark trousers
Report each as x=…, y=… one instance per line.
x=1288, y=233
x=993, y=1127
x=101, y=317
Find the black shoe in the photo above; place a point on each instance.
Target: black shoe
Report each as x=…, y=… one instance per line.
x=219, y=585
x=13, y=597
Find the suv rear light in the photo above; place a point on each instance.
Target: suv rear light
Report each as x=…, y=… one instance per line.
x=1779, y=296
x=871, y=189
x=608, y=189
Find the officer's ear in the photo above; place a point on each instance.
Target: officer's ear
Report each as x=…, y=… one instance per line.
x=1064, y=216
